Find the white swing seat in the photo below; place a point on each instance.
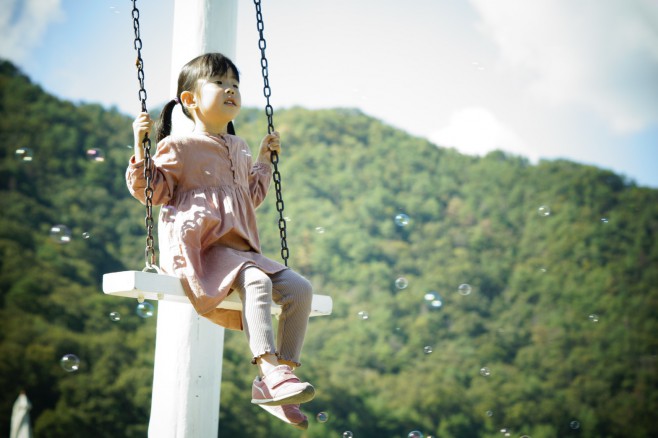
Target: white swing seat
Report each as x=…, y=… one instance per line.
x=152, y=286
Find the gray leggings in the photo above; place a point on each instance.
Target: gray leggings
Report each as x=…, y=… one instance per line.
x=289, y=290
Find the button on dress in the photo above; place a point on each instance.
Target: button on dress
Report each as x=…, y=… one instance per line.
x=209, y=189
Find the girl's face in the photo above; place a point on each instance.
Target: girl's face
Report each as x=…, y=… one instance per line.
x=218, y=100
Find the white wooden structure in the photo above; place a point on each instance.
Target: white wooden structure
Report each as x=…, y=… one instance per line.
x=162, y=287
x=189, y=348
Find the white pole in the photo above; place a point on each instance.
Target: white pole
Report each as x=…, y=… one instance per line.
x=189, y=349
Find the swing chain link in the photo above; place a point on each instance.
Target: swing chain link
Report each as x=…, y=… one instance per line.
x=149, y=251
x=269, y=111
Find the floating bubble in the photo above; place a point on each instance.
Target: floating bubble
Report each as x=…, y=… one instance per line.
x=319, y=230
x=86, y=235
x=427, y=349
x=70, y=363
x=95, y=155
x=115, y=316
x=287, y=219
x=415, y=434
x=464, y=289
x=322, y=417
x=433, y=300
x=575, y=424
x=526, y=436
x=144, y=310
x=604, y=220
x=401, y=283
x=348, y=434
x=363, y=315
x=594, y=317
x=24, y=154
x=484, y=371
x=246, y=152
x=542, y=269
x=60, y=233
x=544, y=210
x=401, y=220
x=490, y=413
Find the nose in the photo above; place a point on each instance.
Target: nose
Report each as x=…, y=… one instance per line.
x=230, y=90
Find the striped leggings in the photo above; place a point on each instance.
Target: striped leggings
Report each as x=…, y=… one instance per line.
x=289, y=290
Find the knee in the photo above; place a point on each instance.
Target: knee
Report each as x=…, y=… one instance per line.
x=304, y=292
x=255, y=278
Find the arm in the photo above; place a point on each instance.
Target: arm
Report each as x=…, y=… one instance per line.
x=166, y=169
x=261, y=172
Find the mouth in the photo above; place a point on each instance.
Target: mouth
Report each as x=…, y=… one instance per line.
x=230, y=102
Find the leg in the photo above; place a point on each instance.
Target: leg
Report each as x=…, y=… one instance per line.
x=294, y=294
x=255, y=289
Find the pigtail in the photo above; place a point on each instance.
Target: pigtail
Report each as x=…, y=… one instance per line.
x=164, y=122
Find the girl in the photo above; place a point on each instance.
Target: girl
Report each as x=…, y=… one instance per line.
x=209, y=189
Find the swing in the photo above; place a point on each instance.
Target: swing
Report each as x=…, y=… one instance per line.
x=151, y=283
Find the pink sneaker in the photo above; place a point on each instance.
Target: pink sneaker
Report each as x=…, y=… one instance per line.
x=280, y=387
x=289, y=414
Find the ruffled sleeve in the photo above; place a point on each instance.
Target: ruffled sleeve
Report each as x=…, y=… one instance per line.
x=259, y=182
x=167, y=170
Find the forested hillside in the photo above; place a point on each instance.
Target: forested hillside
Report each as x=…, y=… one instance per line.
x=473, y=297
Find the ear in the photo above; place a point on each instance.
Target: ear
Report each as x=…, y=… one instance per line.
x=188, y=99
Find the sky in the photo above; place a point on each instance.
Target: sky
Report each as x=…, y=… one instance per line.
x=544, y=79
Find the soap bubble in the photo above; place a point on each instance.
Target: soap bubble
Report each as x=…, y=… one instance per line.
x=526, y=436
x=70, y=363
x=433, y=300
x=575, y=424
x=60, y=233
x=415, y=434
x=24, y=154
x=490, y=413
x=363, y=315
x=144, y=310
x=604, y=220
x=95, y=155
x=542, y=269
x=86, y=235
x=401, y=283
x=544, y=210
x=319, y=230
x=401, y=220
x=594, y=317
x=322, y=417
x=427, y=349
x=484, y=371
x=348, y=434
x=464, y=289
x=115, y=316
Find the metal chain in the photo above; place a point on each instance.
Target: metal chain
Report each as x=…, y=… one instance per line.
x=269, y=111
x=149, y=251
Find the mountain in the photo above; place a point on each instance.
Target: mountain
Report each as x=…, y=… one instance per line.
x=471, y=294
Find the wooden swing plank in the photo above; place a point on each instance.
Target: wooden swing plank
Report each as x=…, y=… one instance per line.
x=152, y=286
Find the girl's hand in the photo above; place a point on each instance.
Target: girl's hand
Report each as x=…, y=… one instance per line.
x=141, y=126
x=271, y=143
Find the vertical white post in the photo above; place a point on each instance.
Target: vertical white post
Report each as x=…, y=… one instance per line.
x=188, y=348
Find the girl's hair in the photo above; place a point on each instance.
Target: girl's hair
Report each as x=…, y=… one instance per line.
x=201, y=67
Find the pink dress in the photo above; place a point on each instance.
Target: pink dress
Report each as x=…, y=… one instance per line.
x=209, y=189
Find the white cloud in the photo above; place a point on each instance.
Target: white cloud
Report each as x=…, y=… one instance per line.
x=477, y=131
x=23, y=23
x=601, y=56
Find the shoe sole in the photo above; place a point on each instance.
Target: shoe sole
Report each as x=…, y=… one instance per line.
x=303, y=396
x=302, y=425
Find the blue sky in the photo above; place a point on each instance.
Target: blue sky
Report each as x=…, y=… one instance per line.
x=542, y=79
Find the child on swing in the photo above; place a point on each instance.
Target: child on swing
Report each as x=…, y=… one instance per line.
x=208, y=237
